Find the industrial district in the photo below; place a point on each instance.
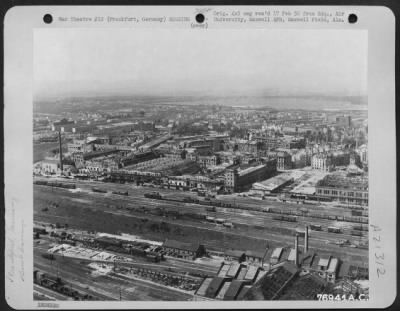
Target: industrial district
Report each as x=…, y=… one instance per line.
x=158, y=200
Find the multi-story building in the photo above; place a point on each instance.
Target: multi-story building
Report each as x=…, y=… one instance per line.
x=51, y=166
x=340, y=158
x=237, y=178
x=299, y=158
x=291, y=142
x=78, y=159
x=139, y=157
x=174, y=154
x=363, y=153
x=325, y=267
x=79, y=145
x=255, y=257
x=196, y=181
x=269, y=142
x=229, y=157
x=206, y=161
x=327, y=161
x=284, y=161
x=322, y=162
x=347, y=190
x=243, y=145
x=183, y=250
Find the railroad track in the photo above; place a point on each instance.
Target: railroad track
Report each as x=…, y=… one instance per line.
x=238, y=216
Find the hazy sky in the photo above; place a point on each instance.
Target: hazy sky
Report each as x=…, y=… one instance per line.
x=73, y=61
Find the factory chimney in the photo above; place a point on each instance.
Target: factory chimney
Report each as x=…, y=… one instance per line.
x=306, y=240
x=61, y=164
x=296, y=247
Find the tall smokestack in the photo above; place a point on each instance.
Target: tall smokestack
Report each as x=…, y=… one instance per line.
x=61, y=164
x=296, y=247
x=306, y=240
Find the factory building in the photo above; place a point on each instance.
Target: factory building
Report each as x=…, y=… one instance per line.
x=272, y=185
x=183, y=250
x=284, y=161
x=237, y=178
x=346, y=190
x=322, y=162
x=51, y=166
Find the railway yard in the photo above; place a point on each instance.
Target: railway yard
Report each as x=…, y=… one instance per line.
x=226, y=222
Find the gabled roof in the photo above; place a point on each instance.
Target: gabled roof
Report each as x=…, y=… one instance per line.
x=251, y=273
x=193, y=247
x=344, y=269
x=273, y=183
x=223, y=270
x=333, y=264
x=243, y=292
x=271, y=285
x=315, y=262
x=242, y=273
x=324, y=261
x=222, y=292
x=214, y=287
x=233, y=253
x=233, y=270
x=203, y=287
x=233, y=290
x=277, y=253
x=292, y=255
x=256, y=254
x=285, y=254
x=307, y=259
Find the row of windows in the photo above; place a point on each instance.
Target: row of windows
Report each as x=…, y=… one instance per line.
x=358, y=201
x=343, y=193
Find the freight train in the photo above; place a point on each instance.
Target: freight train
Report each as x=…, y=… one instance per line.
x=285, y=218
x=58, y=285
x=316, y=227
x=153, y=195
x=360, y=228
x=291, y=215
x=120, y=192
x=94, y=189
x=334, y=230
x=356, y=233
x=54, y=184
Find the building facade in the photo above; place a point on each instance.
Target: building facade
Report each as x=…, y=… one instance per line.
x=322, y=162
x=284, y=161
x=237, y=179
x=346, y=190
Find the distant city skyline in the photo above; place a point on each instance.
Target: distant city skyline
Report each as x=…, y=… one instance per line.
x=102, y=62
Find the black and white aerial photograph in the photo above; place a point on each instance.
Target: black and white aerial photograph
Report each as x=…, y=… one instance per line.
x=193, y=165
